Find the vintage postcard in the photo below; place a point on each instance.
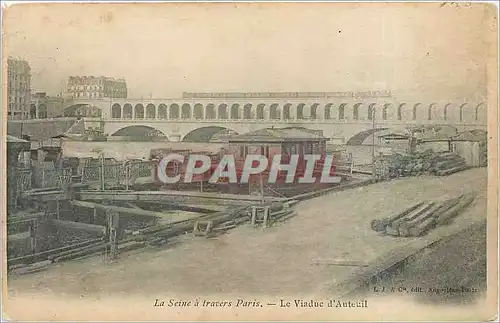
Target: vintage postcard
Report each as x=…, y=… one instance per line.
x=250, y=161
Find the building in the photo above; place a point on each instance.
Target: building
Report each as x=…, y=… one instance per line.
x=92, y=87
x=19, y=88
x=44, y=106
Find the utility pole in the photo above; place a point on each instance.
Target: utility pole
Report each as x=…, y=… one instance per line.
x=101, y=157
x=103, y=186
x=373, y=134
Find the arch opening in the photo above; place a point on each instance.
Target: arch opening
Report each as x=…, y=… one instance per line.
x=342, y=111
x=222, y=111
x=287, y=115
x=385, y=110
x=173, y=112
x=300, y=111
x=210, y=111
x=260, y=111
x=400, y=111
x=71, y=111
x=116, y=111
x=206, y=134
x=359, y=138
x=461, y=112
x=247, y=111
x=328, y=112
x=162, y=111
x=198, y=111
x=415, y=108
x=139, y=132
x=235, y=111
x=150, y=111
x=445, y=111
x=127, y=111
x=479, y=109
x=139, y=111
x=355, y=111
x=314, y=111
x=371, y=111
x=186, y=111
x=431, y=111
x=274, y=113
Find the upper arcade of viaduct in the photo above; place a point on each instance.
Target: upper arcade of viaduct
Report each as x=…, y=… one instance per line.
x=385, y=109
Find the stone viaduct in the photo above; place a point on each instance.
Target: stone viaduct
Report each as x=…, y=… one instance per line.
x=198, y=119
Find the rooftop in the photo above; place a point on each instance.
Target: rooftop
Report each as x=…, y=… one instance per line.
x=15, y=139
x=40, y=130
x=472, y=135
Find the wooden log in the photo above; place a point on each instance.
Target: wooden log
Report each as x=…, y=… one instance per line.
x=451, y=170
x=187, y=226
x=423, y=227
x=412, y=215
x=37, y=266
x=24, y=217
x=405, y=229
x=405, y=226
x=379, y=225
x=455, y=210
x=118, y=209
x=392, y=232
x=291, y=203
x=18, y=236
x=70, y=251
x=287, y=216
x=224, y=228
x=274, y=207
x=80, y=253
x=46, y=253
x=446, y=205
x=282, y=214
x=81, y=226
x=449, y=162
x=132, y=245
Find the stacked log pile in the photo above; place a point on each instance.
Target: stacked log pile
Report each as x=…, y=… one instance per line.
x=422, y=217
x=418, y=163
x=447, y=163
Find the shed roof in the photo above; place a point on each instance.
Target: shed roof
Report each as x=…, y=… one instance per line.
x=471, y=135
x=40, y=130
x=14, y=139
x=279, y=135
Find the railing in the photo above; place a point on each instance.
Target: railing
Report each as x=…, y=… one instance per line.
x=141, y=168
x=24, y=180
x=49, y=178
x=117, y=172
x=28, y=179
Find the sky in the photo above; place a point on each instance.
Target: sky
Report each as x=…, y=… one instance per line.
x=413, y=50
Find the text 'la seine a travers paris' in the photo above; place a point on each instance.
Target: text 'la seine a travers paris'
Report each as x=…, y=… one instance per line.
x=297, y=303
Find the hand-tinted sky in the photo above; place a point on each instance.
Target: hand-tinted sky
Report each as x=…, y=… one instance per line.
x=165, y=49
